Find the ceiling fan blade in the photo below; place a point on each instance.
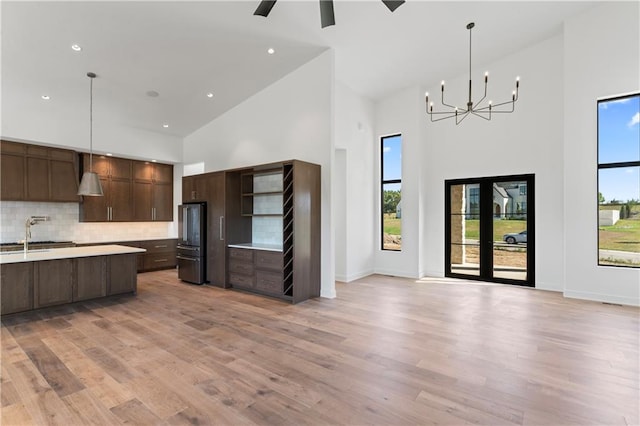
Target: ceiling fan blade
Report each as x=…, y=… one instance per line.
x=265, y=7
x=326, y=13
x=393, y=4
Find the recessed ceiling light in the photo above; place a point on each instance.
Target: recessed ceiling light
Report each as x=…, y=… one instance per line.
x=165, y=125
x=46, y=97
x=153, y=94
x=271, y=51
x=209, y=95
x=76, y=47
x=109, y=154
x=153, y=161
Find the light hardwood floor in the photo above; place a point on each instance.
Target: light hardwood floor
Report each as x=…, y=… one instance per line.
x=386, y=351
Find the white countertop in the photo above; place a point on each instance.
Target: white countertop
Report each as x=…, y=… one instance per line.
x=125, y=240
x=255, y=246
x=66, y=253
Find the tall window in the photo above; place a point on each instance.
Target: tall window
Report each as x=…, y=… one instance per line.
x=619, y=181
x=391, y=187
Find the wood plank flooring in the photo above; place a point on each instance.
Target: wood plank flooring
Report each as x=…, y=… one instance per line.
x=386, y=351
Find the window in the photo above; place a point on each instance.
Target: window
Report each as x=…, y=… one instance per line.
x=523, y=189
x=619, y=181
x=391, y=192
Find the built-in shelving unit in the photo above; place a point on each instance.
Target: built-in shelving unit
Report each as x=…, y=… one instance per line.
x=287, y=229
x=267, y=233
x=262, y=193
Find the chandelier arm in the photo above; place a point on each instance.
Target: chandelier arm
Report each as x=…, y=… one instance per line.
x=501, y=104
x=442, y=118
x=483, y=97
x=481, y=115
x=465, y=115
x=446, y=104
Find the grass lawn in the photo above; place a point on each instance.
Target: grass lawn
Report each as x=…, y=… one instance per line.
x=500, y=227
x=391, y=225
x=623, y=236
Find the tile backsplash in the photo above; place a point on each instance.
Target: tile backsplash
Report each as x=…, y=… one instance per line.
x=64, y=225
x=266, y=230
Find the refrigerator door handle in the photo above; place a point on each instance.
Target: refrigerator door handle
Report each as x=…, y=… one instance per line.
x=185, y=227
x=193, y=259
x=221, y=228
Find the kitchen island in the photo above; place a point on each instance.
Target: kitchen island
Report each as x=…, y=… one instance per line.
x=52, y=277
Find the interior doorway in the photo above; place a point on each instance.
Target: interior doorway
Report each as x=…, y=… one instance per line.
x=490, y=229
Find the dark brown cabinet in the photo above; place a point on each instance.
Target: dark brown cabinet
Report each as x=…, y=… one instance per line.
x=194, y=188
x=38, y=173
x=14, y=171
x=16, y=284
x=160, y=254
x=256, y=270
x=122, y=270
x=91, y=273
x=273, y=207
x=152, y=191
x=219, y=190
x=134, y=191
x=115, y=177
x=33, y=285
x=53, y=282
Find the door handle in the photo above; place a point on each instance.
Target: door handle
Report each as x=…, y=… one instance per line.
x=184, y=224
x=221, y=228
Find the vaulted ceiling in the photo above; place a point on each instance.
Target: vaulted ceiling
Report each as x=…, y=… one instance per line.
x=184, y=50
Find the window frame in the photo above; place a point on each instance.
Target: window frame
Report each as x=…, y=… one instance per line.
x=604, y=166
x=384, y=182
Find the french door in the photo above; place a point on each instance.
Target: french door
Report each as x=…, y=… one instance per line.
x=490, y=232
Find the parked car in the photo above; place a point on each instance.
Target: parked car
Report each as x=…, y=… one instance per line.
x=516, y=237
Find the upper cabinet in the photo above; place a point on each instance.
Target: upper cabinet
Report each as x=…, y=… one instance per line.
x=38, y=173
x=134, y=191
x=115, y=178
x=152, y=191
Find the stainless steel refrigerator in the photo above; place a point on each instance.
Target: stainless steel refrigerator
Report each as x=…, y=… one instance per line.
x=192, y=239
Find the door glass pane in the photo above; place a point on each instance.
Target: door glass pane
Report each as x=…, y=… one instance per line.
x=464, y=248
x=510, y=230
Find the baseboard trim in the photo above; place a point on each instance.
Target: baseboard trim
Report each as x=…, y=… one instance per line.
x=605, y=298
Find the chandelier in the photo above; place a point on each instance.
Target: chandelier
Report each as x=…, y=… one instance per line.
x=478, y=108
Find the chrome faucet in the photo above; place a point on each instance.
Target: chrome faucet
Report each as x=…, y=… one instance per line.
x=32, y=220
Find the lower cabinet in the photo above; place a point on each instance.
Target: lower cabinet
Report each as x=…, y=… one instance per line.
x=53, y=282
x=32, y=285
x=160, y=254
x=256, y=270
x=16, y=284
x=91, y=273
x=123, y=269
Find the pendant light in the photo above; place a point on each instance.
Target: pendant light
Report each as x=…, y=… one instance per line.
x=90, y=183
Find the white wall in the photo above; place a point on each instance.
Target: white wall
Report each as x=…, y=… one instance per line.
x=51, y=126
x=354, y=201
x=400, y=113
x=526, y=141
x=602, y=58
x=291, y=119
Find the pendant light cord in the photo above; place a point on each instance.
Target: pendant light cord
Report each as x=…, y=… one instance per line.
x=91, y=124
